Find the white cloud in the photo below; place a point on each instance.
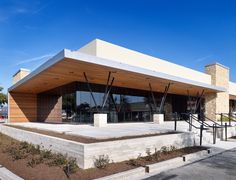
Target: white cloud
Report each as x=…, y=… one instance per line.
x=204, y=58
x=35, y=59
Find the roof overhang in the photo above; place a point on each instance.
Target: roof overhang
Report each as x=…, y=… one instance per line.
x=68, y=66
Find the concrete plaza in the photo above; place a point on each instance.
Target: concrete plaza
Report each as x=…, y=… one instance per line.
x=110, y=131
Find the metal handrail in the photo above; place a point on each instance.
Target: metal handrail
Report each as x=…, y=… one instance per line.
x=229, y=116
x=196, y=119
x=205, y=117
x=201, y=128
x=191, y=123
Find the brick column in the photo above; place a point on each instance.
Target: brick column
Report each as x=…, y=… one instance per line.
x=217, y=102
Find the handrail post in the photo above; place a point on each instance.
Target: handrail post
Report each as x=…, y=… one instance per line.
x=190, y=122
x=229, y=119
x=221, y=118
x=201, y=129
x=225, y=131
x=175, y=121
x=213, y=129
x=215, y=133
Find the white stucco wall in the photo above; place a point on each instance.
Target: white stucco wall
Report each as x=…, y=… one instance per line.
x=113, y=52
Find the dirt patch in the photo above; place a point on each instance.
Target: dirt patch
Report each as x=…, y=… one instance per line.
x=43, y=170
x=83, y=139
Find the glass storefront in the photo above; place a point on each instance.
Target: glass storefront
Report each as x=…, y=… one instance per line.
x=232, y=106
x=122, y=105
x=80, y=107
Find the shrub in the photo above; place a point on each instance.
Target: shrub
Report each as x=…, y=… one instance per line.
x=164, y=149
x=35, y=161
x=102, y=161
x=70, y=167
x=46, y=154
x=172, y=148
x=16, y=154
x=58, y=160
x=133, y=162
x=29, y=148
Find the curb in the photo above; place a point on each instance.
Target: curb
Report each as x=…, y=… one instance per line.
x=8, y=175
x=164, y=165
x=130, y=174
x=153, y=169
x=186, y=159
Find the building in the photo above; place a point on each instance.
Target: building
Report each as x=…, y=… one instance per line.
x=3, y=112
x=104, y=82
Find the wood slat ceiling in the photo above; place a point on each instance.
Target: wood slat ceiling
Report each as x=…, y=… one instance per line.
x=69, y=70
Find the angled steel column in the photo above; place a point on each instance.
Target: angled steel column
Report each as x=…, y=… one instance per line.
x=113, y=101
x=107, y=85
x=108, y=92
x=164, y=97
x=189, y=99
x=153, y=98
x=199, y=100
x=91, y=92
x=195, y=103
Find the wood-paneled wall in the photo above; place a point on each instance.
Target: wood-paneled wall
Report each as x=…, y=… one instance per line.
x=23, y=107
x=49, y=108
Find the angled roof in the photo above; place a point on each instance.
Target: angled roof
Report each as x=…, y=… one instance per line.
x=68, y=66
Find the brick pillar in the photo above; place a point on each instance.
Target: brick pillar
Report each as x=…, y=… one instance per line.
x=217, y=102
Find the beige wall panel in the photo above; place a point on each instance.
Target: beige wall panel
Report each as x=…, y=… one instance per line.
x=217, y=102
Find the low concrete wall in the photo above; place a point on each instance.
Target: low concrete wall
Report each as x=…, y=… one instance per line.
x=131, y=148
x=71, y=148
x=231, y=131
x=119, y=150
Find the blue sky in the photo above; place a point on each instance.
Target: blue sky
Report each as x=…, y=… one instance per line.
x=190, y=33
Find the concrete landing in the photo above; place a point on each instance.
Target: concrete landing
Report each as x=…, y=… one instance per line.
x=110, y=131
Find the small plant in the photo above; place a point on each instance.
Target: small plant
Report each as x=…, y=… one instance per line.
x=156, y=154
x=47, y=154
x=164, y=149
x=35, y=161
x=58, y=160
x=149, y=156
x=29, y=148
x=172, y=148
x=133, y=162
x=102, y=161
x=70, y=167
x=16, y=154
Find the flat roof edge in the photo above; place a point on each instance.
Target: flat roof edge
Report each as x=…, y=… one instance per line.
x=114, y=64
x=65, y=53
x=58, y=57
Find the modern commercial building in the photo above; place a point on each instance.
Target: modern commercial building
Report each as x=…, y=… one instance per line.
x=105, y=79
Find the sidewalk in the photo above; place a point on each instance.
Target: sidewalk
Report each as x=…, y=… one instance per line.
x=218, y=167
